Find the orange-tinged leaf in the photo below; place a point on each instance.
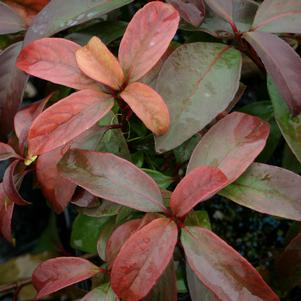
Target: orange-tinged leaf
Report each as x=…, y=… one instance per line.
x=67, y=119
x=6, y=213
x=146, y=38
x=57, y=273
x=53, y=59
x=148, y=105
x=143, y=258
x=198, y=185
x=97, y=62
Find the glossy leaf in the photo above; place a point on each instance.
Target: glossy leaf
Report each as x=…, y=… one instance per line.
x=10, y=22
x=67, y=119
x=148, y=105
x=55, y=188
x=232, y=144
x=147, y=37
x=7, y=152
x=101, y=293
x=53, y=59
x=97, y=62
x=143, y=258
x=6, y=213
x=112, y=178
x=11, y=87
x=268, y=189
x=223, y=8
x=278, y=16
x=57, y=273
x=228, y=275
x=197, y=186
x=290, y=126
x=282, y=63
x=197, y=81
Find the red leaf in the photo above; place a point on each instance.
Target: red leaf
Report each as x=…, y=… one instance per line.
x=232, y=144
x=147, y=37
x=56, y=189
x=35, y=5
x=57, y=273
x=97, y=62
x=228, y=275
x=67, y=119
x=7, y=152
x=53, y=59
x=6, y=213
x=143, y=258
x=198, y=185
x=112, y=178
x=118, y=239
x=11, y=182
x=282, y=63
x=25, y=117
x=10, y=21
x=148, y=105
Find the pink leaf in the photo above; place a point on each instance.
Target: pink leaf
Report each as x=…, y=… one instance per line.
x=57, y=273
x=228, y=275
x=147, y=37
x=143, y=258
x=7, y=152
x=223, y=8
x=197, y=186
x=6, y=213
x=67, y=119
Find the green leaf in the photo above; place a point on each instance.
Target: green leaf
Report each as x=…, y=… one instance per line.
x=198, y=218
x=162, y=180
x=197, y=81
x=85, y=232
x=101, y=293
x=289, y=160
x=290, y=126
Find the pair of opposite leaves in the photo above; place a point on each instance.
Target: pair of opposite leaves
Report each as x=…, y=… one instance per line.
x=95, y=71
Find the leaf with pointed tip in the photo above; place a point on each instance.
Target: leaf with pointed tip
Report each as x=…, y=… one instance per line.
x=7, y=152
x=197, y=81
x=290, y=126
x=223, y=8
x=57, y=273
x=57, y=190
x=112, y=178
x=278, y=16
x=97, y=62
x=268, y=189
x=10, y=22
x=101, y=293
x=146, y=38
x=197, y=186
x=11, y=87
x=143, y=258
x=148, y=105
x=232, y=144
x=228, y=275
x=53, y=59
x=282, y=63
x=67, y=119
x=6, y=213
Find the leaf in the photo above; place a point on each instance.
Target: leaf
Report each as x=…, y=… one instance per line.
x=197, y=81
x=101, y=293
x=198, y=218
x=57, y=273
x=97, y=62
x=6, y=213
x=10, y=22
x=57, y=17
x=197, y=186
x=223, y=8
x=232, y=144
x=11, y=87
x=282, y=63
x=290, y=126
x=85, y=232
x=35, y=5
x=118, y=238
x=143, y=258
x=161, y=179
x=7, y=152
x=278, y=16
x=55, y=188
x=268, y=189
x=67, y=119
x=146, y=38
x=148, y=105
x=221, y=269
x=53, y=59
x=192, y=11
x=112, y=178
